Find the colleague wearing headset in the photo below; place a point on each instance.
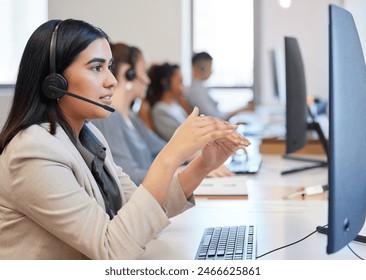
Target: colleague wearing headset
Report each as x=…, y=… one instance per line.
x=197, y=94
x=164, y=92
x=165, y=98
x=133, y=146
x=61, y=194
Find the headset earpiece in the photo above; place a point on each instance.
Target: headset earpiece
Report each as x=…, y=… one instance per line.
x=130, y=74
x=202, y=68
x=165, y=85
x=54, y=79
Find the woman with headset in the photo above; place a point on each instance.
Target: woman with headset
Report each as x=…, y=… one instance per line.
x=61, y=194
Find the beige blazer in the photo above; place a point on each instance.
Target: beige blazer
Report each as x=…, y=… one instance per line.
x=51, y=207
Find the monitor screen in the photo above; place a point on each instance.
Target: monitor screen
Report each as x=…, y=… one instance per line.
x=299, y=119
x=278, y=74
x=347, y=133
x=296, y=106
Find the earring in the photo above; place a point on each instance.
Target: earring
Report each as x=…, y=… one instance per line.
x=129, y=86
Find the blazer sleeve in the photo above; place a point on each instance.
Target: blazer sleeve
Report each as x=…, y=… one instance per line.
x=49, y=187
x=175, y=202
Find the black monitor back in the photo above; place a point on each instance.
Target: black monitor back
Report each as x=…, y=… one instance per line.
x=347, y=131
x=296, y=106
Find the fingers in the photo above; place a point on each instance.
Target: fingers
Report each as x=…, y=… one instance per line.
x=228, y=147
x=230, y=137
x=238, y=139
x=203, y=121
x=194, y=112
x=208, y=129
x=231, y=143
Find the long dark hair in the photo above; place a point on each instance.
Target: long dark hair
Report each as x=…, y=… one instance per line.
x=30, y=106
x=160, y=77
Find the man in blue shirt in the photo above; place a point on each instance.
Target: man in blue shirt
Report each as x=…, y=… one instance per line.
x=197, y=94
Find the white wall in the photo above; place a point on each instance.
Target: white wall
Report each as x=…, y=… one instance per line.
x=154, y=26
x=308, y=22
x=6, y=97
x=160, y=28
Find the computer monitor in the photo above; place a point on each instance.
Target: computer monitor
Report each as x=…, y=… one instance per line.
x=278, y=74
x=347, y=133
x=299, y=119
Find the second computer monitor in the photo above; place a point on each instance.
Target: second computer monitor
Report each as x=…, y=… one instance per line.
x=296, y=106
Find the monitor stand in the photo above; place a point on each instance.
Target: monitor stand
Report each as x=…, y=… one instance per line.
x=318, y=163
x=324, y=230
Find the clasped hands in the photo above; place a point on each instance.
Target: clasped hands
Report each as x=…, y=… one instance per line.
x=216, y=139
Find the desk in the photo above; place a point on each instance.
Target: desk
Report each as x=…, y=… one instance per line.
x=278, y=223
x=269, y=184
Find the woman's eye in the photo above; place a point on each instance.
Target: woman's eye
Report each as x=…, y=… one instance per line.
x=97, y=68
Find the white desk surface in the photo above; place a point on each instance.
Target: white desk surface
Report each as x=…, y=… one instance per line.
x=279, y=221
x=269, y=184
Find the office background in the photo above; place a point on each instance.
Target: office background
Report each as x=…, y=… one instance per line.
x=163, y=29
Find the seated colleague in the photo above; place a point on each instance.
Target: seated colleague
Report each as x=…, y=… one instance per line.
x=61, y=194
x=144, y=111
x=163, y=94
x=198, y=95
x=133, y=146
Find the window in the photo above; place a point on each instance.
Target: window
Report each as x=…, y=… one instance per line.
x=225, y=29
x=18, y=23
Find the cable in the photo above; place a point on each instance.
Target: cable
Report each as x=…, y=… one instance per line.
x=349, y=247
x=293, y=243
x=318, y=229
x=358, y=238
x=309, y=190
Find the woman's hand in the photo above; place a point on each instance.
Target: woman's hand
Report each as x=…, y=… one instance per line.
x=214, y=154
x=196, y=132
x=216, y=138
x=222, y=171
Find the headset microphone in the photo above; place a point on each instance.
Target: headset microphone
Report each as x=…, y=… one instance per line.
x=61, y=92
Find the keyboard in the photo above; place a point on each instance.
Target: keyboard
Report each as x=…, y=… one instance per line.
x=228, y=243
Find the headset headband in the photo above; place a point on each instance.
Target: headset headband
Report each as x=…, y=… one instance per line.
x=53, y=49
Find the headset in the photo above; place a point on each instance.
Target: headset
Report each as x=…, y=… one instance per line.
x=165, y=84
x=54, y=79
x=131, y=72
x=54, y=86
